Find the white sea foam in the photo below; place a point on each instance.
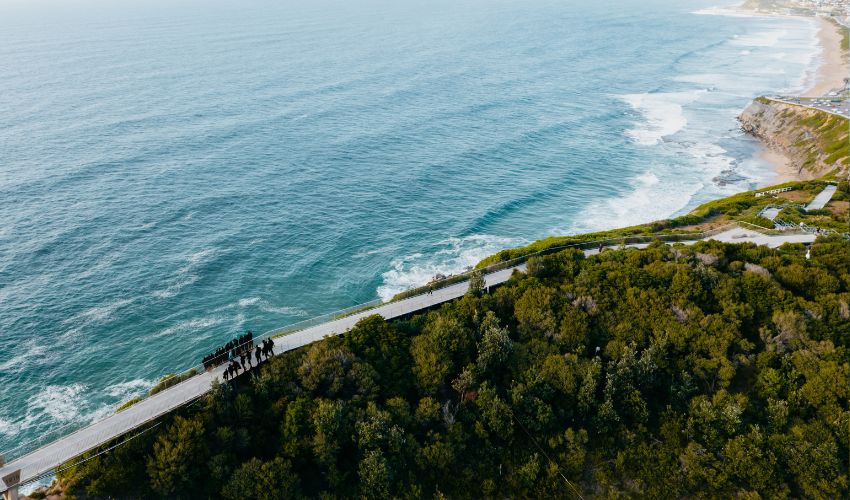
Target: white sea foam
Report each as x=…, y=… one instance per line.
x=186, y=276
x=662, y=113
x=59, y=406
x=768, y=38
x=8, y=428
x=60, y=403
x=100, y=313
x=725, y=11
x=203, y=255
x=648, y=198
x=196, y=324
x=134, y=387
x=22, y=357
x=175, y=288
x=248, y=301
x=267, y=307
x=453, y=255
x=812, y=58
x=283, y=310
x=375, y=251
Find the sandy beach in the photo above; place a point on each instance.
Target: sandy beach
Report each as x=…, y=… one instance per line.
x=782, y=167
x=834, y=65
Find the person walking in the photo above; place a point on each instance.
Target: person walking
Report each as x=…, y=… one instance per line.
x=271, y=346
x=257, y=353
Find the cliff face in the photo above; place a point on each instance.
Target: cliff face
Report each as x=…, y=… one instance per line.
x=817, y=143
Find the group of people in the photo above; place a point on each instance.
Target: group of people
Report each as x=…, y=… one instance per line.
x=243, y=362
x=229, y=351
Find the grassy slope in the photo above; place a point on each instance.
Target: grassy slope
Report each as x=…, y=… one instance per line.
x=822, y=133
x=820, y=140
x=743, y=207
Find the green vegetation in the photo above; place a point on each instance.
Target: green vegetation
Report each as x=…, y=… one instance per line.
x=845, y=35
x=128, y=404
x=713, y=370
x=819, y=133
x=450, y=280
x=741, y=207
x=171, y=380
x=164, y=383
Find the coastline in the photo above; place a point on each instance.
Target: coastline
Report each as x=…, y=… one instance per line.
x=782, y=168
x=832, y=69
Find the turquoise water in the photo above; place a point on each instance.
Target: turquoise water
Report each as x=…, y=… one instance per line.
x=174, y=174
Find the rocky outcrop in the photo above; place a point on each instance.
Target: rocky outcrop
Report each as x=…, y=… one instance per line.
x=816, y=142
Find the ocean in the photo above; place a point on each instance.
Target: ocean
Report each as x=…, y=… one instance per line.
x=175, y=173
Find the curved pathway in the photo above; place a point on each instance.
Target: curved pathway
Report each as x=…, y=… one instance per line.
x=45, y=459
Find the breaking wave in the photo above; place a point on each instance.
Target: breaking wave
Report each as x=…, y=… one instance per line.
x=450, y=256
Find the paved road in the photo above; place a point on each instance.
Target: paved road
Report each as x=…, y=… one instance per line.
x=825, y=104
x=47, y=458
x=822, y=198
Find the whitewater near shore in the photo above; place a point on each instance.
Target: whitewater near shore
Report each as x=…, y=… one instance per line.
x=834, y=62
x=833, y=66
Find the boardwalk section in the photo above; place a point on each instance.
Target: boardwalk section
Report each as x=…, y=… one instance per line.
x=45, y=459
x=822, y=198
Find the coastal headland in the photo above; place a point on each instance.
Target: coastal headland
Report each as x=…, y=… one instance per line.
x=808, y=143
x=804, y=144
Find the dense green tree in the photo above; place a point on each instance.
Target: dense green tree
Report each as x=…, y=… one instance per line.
x=708, y=371
x=495, y=345
x=256, y=479
x=477, y=283
x=534, y=312
x=173, y=465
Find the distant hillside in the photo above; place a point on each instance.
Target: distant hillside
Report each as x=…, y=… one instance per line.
x=707, y=371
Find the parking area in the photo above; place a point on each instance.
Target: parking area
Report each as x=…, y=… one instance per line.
x=833, y=104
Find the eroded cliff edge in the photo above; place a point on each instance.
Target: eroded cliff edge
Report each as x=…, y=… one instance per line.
x=817, y=143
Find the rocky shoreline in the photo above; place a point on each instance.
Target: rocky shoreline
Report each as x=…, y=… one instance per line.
x=805, y=136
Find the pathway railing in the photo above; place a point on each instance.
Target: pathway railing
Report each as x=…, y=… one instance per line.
x=32, y=445
x=581, y=245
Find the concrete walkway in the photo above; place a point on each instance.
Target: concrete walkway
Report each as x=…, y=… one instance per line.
x=822, y=198
x=770, y=213
x=739, y=235
x=45, y=459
